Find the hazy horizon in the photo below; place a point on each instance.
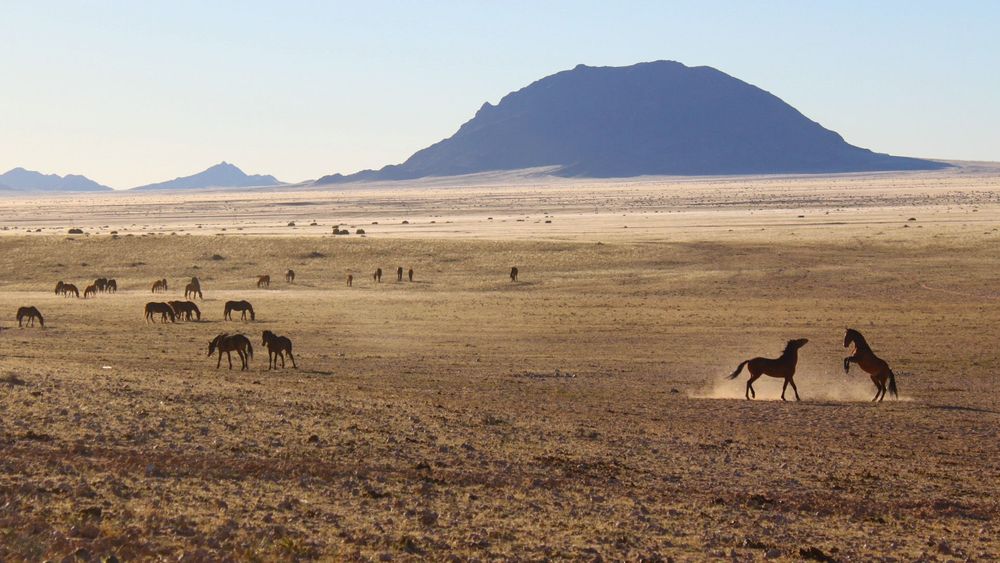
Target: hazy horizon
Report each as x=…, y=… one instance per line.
x=131, y=94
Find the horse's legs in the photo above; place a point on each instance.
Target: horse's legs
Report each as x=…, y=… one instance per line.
x=878, y=387
x=750, y=391
x=293, y=359
x=219, y=363
x=847, y=363
x=783, y=387
x=243, y=359
x=282, y=352
x=794, y=388
x=230, y=356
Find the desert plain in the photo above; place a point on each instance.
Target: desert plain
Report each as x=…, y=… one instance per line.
x=580, y=413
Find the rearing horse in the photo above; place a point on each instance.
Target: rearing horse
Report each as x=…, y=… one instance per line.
x=876, y=367
x=783, y=367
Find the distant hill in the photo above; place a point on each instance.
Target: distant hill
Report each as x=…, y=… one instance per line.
x=222, y=175
x=646, y=119
x=21, y=180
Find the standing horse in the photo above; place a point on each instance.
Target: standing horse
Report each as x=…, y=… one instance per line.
x=163, y=309
x=242, y=306
x=399, y=274
x=112, y=286
x=191, y=290
x=186, y=308
x=90, y=291
x=101, y=285
x=350, y=280
x=159, y=285
x=410, y=274
x=290, y=276
x=29, y=313
x=276, y=347
x=876, y=367
x=783, y=367
x=70, y=288
x=263, y=281
x=513, y=274
x=59, y=288
x=377, y=276
x=229, y=344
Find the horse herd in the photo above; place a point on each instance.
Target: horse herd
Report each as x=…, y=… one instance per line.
x=100, y=285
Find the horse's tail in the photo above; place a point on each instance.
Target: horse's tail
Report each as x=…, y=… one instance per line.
x=738, y=370
x=249, y=349
x=892, y=385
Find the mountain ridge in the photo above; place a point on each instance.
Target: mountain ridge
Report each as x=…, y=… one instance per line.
x=22, y=180
x=222, y=175
x=654, y=118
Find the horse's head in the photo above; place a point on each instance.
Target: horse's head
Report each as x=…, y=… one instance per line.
x=214, y=343
x=850, y=336
x=794, y=345
x=253, y=316
x=267, y=335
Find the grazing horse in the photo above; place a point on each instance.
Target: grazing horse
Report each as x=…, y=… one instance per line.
x=59, y=287
x=186, y=308
x=377, y=276
x=112, y=286
x=513, y=274
x=783, y=367
x=229, y=344
x=276, y=347
x=29, y=313
x=410, y=274
x=159, y=285
x=242, y=306
x=876, y=367
x=191, y=290
x=70, y=288
x=90, y=291
x=163, y=309
x=264, y=281
x=399, y=274
x=290, y=276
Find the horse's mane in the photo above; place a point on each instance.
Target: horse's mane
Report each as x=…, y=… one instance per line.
x=790, y=347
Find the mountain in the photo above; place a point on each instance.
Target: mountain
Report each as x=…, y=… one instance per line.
x=222, y=175
x=19, y=179
x=650, y=118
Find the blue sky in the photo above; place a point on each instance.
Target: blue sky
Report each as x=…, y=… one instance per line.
x=129, y=92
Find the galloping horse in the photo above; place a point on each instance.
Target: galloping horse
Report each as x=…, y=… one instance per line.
x=152, y=308
x=68, y=288
x=290, y=276
x=59, y=288
x=112, y=286
x=875, y=366
x=159, y=285
x=186, y=308
x=191, y=290
x=229, y=344
x=90, y=291
x=513, y=274
x=377, y=276
x=410, y=274
x=399, y=274
x=350, y=280
x=264, y=281
x=243, y=306
x=783, y=367
x=277, y=346
x=29, y=313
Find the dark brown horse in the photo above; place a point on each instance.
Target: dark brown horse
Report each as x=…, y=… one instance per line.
x=229, y=344
x=783, y=367
x=243, y=306
x=410, y=274
x=263, y=281
x=399, y=274
x=350, y=280
x=193, y=290
x=513, y=274
x=28, y=316
x=69, y=288
x=162, y=309
x=90, y=291
x=112, y=286
x=290, y=276
x=876, y=367
x=185, y=308
x=101, y=285
x=159, y=285
x=59, y=287
x=277, y=346
x=377, y=276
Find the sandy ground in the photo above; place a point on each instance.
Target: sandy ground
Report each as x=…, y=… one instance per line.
x=580, y=413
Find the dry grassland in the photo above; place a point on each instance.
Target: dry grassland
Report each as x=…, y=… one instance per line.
x=581, y=413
